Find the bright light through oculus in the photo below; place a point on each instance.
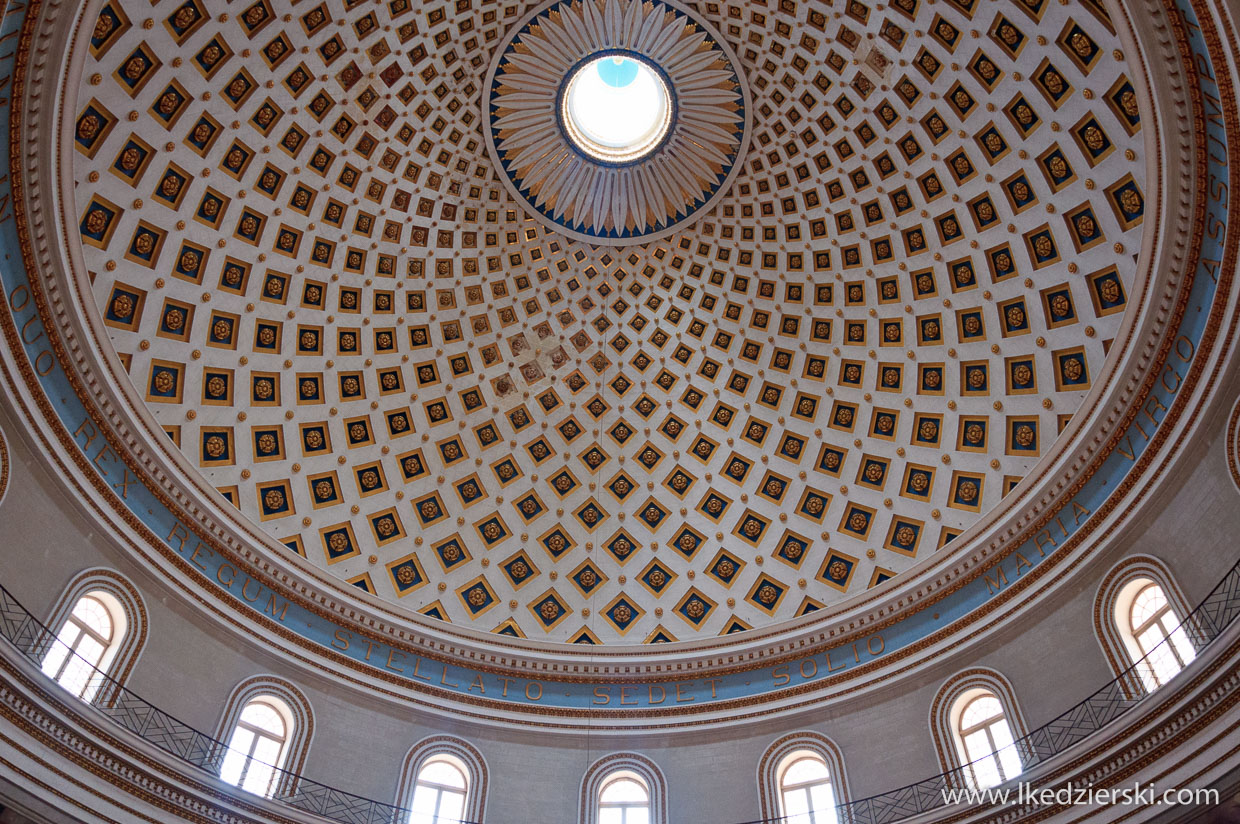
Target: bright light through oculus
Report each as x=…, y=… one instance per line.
x=616, y=108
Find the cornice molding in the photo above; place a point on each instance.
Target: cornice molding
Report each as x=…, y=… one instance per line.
x=1115, y=402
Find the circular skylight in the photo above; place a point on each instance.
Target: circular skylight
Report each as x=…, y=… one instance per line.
x=616, y=108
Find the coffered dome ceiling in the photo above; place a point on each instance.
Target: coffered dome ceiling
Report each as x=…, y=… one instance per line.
x=373, y=324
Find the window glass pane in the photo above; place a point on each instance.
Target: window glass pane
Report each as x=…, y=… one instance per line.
x=805, y=770
x=442, y=772
x=264, y=717
x=92, y=613
x=823, y=800
x=1001, y=733
x=979, y=710
x=637, y=815
x=1148, y=602
x=610, y=815
x=76, y=676
x=59, y=651
x=1009, y=759
x=1164, y=664
x=796, y=802
x=423, y=805
x=258, y=778
x=1179, y=638
x=267, y=750
x=986, y=772
x=238, y=753
x=451, y=807
x=977, y=745
x=90, y=650
x=624, y=789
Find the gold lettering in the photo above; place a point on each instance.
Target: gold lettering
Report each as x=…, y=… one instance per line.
x=1179, y=350
x=1042, y=539
x=869, y=645
x=1021, y=563
x=831, y=667
x=531, y=685
x=272, y=604
x=625, y=692
x=856, y=657
x=714, y=682
x=1079, y=512
x=193, y=557
x=87, y=427
x=662, y=693
x=231, y=574
x=39, y=331
x=680, y=699
x=443, y=679
x=1149, y=412
x=44, y=370
x=342, y=639
x=390, y=663
x=813, y=671
x=179, y=532
x=370, y=647
x=24, y=292
x=1178, y=379
x=123, y=484
x=507, y=683
x=417, y=666
x=103, y=450
x=245, y=586
x=781, y=676
x=995, y=584
x=603, y=693
x=477, y=682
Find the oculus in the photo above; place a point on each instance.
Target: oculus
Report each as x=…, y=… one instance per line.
x=616, y=122
x=616, y=108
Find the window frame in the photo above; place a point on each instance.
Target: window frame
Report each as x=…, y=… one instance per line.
x=946, y=727
x=128, y=614
x=786, y=751
x=616, y=766
x=986, y=726
x=615, y=777
x=73, y=649
x=1115, y=628
x=460, y=754
x=257, y=735
x=813, y=815
x=291, y=704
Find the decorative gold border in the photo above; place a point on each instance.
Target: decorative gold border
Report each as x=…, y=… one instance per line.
x=1025, y=583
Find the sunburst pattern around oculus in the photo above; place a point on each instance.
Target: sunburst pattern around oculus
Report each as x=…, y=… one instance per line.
x=628, y=198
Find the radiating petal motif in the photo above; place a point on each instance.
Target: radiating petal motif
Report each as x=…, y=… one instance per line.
x=616, y=204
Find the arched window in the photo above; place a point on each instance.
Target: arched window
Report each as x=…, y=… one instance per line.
x=977, y=726
x=100, y=626
x=624, y=788
x=258, y=745
x=443, y=781
x=440, y=791
x=86, y=644
x=801, y=779
x=1154, y=632
x=1140, y=619
x=985, y=739
x=624, y=799
x=265, y=734
x=805, y=792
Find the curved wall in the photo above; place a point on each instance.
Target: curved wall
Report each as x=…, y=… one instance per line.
x=1046, y=647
